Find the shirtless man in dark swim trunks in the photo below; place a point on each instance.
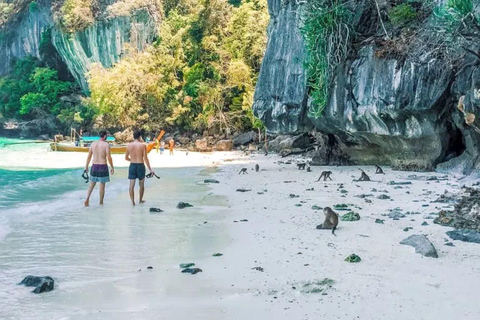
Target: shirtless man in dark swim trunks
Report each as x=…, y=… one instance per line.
x=137, y=155
x=100, y=151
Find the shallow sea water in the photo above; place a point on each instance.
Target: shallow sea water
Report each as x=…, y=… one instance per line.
x=99, y=255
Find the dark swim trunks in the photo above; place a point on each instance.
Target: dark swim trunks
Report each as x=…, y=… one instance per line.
x=136, y=171
x=99, y=173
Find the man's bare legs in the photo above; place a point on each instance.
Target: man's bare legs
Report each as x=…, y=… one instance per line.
x=102, y=192
x=89, y=192
x=142, y=189
x=131, y=191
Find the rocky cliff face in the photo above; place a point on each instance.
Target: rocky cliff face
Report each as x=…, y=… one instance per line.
x=22, y=38
x=398, y=111
x=103, y=42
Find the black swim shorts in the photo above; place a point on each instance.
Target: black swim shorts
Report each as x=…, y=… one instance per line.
x=136, y=171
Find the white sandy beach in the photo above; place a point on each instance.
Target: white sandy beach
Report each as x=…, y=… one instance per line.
x=391, y=281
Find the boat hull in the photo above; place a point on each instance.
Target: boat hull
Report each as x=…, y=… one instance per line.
x=113, y=149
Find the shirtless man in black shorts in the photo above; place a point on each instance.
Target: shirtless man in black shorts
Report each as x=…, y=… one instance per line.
x=137, y=155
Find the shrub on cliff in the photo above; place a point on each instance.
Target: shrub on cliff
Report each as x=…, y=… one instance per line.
x=75, y=15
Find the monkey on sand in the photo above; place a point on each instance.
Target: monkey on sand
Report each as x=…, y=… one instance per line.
x=243, y=170
x=331, y=220
x=301, y=166
x=379, y=170
x=325, y=175
x=257, y=167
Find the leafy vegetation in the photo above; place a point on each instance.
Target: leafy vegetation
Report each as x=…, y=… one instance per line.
x=327, y=32
x=33, y=89
x=402, y=14
x=76, y=15
x=199, y=75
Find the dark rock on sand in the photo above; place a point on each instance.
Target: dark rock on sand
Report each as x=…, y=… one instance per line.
x=258, y=269
x=41, y=284
x=465, y=214
x=464, y=235
x=450, y=244
x=243, y=190
x=353, y=258
x=149, y=268
x=407, y=229
x=380, y=221
x=156, y=210
x=192, y=270
x=182, y=205
x=424, y=223
x=187, y=265
x=396, y=183
x=383, y=197
x=217, y=254
x=210, y=181
x=421, y=244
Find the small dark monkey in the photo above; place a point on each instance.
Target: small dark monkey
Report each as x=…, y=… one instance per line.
x=363, y=177
x=243, y=170
x=325, y=175
x=379, y=170
x=257, y=167
x=301, y=166
x=331, y=220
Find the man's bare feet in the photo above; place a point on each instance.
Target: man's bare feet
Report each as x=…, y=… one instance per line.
x=142, y=201
x=133, y=203
x=87, y=203
x=101, y=203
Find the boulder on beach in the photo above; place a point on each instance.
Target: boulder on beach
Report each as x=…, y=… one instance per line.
x=421, y=244
x=465, y=235
x=210, y=181
x=182, y=205
x=201, y=145
x=41, y=284
x=224, y=145
x=350, y=216
x=192, y=270
x=244, y=138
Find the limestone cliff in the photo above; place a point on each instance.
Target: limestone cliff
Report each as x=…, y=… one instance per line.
x=393, y=109
x=102, y=42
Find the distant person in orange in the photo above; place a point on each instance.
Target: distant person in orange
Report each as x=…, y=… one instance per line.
x=171, y=145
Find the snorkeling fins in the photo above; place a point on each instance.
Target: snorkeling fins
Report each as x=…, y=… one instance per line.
x=85, y=175
x=151, y=175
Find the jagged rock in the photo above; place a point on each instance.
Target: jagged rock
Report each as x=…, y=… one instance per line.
x=243, y=190
x=192, y=270
x=156, y=210
x=380, y=221
x=421, y=244
x=182, y=205
x=396, y=183
x=244, y=138
x=41, y=284
x=464, y=235
x=210, y=181
x=201, y=145
x=217, y=255
x=350, y=216
x=258, y=269
x=383, y=197
x=124, y=136
x=224, y=145
x=186, y=265
x=353, y=258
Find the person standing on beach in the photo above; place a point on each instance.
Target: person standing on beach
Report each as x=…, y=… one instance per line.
x=100, y=152
x=137, y=155
x=171, y=145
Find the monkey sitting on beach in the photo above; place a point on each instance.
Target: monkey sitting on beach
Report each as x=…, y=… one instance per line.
x=243, y=170
x=331, y=220
x=379, y=170
x=301, y=166
x=325, y=175
x=309, y=169
x=363, y=177
x=257, y=167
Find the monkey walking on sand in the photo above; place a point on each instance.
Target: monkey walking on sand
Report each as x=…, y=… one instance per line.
x=331, y=220
x=379, y=170
x=243, y=171
x=301, y=166
x=325, y=175
x=257, y=167
x=363, y=177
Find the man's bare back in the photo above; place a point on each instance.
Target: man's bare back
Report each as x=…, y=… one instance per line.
x=99, y=151
x=136, y=151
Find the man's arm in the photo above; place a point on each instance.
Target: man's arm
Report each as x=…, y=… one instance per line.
x=110, y=160
x=145, y=157
x=89, y=158
x=127, y=155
